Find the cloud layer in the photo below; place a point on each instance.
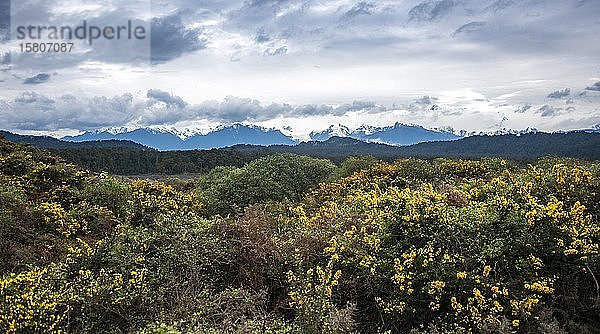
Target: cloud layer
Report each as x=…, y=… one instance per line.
x=345, y=28
x=459, y=63
x=466, y=110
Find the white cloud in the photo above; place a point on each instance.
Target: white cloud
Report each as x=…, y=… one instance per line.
x=460, y=109
x=482, y=60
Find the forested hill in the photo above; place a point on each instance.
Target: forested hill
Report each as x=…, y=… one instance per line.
x=133, y=159
x=53, y=143
x=531, y=146
x=334, y=148
x=581, y=145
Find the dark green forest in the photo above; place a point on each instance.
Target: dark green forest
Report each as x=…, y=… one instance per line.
x=128, y=158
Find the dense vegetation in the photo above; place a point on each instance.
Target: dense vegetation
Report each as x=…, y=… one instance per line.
x=291, y=244
x=128, y=158
x=53, y=143
x=130, y=161
x=271, y=178
x=526, y=147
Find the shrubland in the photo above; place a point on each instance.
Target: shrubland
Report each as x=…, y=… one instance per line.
x=290, y=244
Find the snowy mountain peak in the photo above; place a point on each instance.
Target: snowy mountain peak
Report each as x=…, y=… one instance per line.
x=397, y=134
x=500, y=132
x=238, y=126
x=115, y=130
x=167, y=138
x=366, y=129
x=338, y=130
x=407, y=125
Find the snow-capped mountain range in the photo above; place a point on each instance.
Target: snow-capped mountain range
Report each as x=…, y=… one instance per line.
x=398, y=134
x=168, y=138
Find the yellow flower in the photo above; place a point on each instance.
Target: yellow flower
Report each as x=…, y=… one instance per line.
x=515, y=323
x=456, y=305
x=486, y=270
x=438, y=285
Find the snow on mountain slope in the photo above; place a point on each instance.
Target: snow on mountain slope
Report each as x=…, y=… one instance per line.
x=190, y=139
x=399, y=134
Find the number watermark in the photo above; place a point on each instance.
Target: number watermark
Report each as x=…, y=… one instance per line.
x=57, y=34
x=46, y=47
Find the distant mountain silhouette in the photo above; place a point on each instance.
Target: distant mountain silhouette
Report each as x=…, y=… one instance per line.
x=334, y=147
x=148, y=137
x=578, y=144
x=398, y=134
x=127, y=158
x=53, y=143
x=584, y=145
x=167, y=141
x=171, y=140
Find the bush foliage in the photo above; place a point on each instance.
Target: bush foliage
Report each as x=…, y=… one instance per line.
x=272, y=178
x=290, y=244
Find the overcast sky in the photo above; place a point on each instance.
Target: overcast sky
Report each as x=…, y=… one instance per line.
x=484, y=64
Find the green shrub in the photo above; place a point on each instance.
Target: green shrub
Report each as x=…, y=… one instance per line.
x=411, y=258
x=110, y=193
x=13, y=222
x=352, y=165
x=272, y=178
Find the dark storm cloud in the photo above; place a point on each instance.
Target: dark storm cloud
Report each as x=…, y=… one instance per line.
x=4, y=20
x=403, y=29
x=171, y=38
x=406, y=29
x=37, y=79
x=4, y=29
x=50, y=14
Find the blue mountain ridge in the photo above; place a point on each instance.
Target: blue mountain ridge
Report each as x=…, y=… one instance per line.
x=167, y=141
x=397, y=135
